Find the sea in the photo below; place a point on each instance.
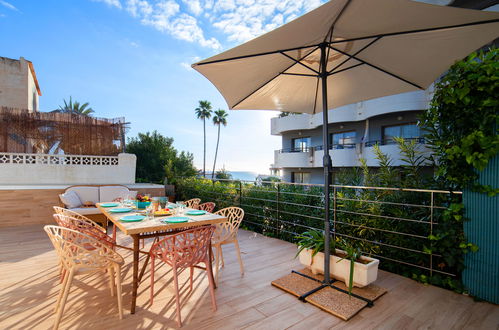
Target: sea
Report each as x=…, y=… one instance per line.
x=243, y=175
x=240, y=175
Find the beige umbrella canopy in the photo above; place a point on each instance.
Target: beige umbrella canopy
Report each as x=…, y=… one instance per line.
x=375, y=48
x=344, y=52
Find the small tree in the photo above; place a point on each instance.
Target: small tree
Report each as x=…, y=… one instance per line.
x=157, y=158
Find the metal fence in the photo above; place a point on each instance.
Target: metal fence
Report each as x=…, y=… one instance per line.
x=393, y=224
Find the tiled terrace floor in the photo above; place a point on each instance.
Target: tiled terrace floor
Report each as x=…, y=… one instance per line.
x=29, y=285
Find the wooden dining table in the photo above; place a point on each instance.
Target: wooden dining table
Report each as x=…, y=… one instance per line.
x=153, y=227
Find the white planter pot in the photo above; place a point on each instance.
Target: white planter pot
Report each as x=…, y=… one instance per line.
x=364, y=274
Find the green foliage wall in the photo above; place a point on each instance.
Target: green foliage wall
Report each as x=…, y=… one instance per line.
x=398, y=227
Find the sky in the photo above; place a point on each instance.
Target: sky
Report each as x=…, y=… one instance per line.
x=132, y=58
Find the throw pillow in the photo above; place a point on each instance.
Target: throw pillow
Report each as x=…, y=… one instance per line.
x=70, y=199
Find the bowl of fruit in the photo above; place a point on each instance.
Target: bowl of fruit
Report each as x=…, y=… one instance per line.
x=143, y=201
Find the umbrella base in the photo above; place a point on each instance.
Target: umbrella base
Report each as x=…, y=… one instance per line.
x=324, y=285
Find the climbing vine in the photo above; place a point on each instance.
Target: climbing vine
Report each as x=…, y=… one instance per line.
x=462, y=121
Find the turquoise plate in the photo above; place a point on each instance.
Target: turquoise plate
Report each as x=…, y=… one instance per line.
x=195, y=212
x=171, y=206
x=120, y=210
x=132, y=218
x=109, y=204
x=175, y=220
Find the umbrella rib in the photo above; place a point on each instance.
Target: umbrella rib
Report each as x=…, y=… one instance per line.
x=391, y=34
x=345, y=69
x=330, y=32
x=268, y=81
x=378, y=68
x=298, y=74
x=316, y=94
x=298, y=61
x=355, y=54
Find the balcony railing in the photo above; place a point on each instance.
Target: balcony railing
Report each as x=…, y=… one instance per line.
x=338, y=146
x=302, y=149
x=393, y=224
x=420, y=140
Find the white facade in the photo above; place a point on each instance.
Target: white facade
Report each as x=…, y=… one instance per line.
x=368, y=121
x=41, y=169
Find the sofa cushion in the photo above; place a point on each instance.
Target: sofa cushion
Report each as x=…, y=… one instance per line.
x=86, y=210
x=70, y=199
x=86, y=193
x=110, y=193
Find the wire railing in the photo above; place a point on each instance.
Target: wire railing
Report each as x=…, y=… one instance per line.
x=395, y=225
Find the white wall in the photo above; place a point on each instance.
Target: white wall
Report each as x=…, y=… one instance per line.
x=31, y=169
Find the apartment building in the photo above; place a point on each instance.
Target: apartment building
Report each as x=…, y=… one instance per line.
x=354, y=129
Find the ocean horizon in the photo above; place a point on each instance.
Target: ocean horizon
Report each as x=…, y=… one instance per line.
x=241, y=175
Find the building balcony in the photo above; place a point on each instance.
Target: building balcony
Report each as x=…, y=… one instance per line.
x=412, y=101
x=302, y=157
x=344, y=155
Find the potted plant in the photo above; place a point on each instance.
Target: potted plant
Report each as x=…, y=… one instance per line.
x=143, y=201
x=348, y=265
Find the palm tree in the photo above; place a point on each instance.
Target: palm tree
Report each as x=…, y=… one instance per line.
x=220, y=118
x=76, y=108
x=204, y=112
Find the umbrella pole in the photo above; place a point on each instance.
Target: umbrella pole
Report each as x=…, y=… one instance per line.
x=327, y=163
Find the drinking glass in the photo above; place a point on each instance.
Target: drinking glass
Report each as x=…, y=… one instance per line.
x=162, y=202
x=149, y=211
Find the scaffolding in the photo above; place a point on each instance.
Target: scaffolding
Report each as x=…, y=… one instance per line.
x=22, y=131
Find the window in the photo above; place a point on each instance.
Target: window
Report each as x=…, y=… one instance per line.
x=406, y=131
x=300, y=177
x=343, y=140
x=301, y=144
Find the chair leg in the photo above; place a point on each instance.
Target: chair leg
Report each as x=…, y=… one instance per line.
x=177, y=296
x=61, y=292
x=111, y=280
x=191, y=271
x=119, y=293
x=211, y=282
x=152, y=279
x=236, y=243
x=217, y=262
x=222, y=256
x=63, y=299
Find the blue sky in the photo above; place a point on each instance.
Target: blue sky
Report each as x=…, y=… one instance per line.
x=132, y=58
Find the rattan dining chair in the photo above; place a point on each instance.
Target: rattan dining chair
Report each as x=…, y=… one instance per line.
x=226, y=233
x=82, y=254
x=181, y=251
x=208, y=207
x=76, y=215
x=193, y=203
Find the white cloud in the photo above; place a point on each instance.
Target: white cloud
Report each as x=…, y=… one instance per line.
x=166, y=16
x=134, y=44
x=8, y=5
x=194, y=6
x=111, y=3
x=237, y=20
x=242, y=20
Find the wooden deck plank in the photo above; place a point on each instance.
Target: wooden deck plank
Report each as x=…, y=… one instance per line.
x=29, y=286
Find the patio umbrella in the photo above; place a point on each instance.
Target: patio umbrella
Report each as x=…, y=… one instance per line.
x=343, y=52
